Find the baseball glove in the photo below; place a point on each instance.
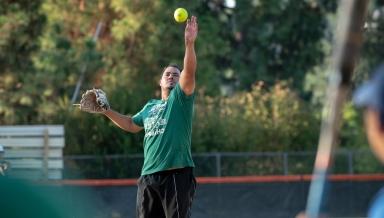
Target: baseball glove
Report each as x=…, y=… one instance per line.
x=94, y=101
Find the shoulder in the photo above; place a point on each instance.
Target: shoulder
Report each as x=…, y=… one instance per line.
x=152, y=102
x=179, y=92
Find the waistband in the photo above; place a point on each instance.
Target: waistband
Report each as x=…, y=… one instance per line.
x=174, y=171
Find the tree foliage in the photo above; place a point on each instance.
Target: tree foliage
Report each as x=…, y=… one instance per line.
x=285, y=38
x=252, y=62
x=21, y=24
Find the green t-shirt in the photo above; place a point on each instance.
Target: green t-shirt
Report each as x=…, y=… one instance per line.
x=168, y=129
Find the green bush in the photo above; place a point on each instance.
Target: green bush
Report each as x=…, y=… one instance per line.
x=263, y=119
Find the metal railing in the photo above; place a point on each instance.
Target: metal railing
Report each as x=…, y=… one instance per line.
x=221, y=164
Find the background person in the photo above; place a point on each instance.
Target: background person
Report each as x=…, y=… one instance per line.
x=370, y=96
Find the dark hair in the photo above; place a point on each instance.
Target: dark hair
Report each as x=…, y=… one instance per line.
x=172, y=65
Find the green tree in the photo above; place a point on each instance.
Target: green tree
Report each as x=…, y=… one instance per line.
x=21, y=24
x=278, y=40
x=235, y=48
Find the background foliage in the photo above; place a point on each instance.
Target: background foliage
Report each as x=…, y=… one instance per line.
x=261, y=69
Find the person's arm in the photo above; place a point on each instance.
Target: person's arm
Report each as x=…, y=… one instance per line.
x=187, y=77
x=124, y=122
x=374, y=132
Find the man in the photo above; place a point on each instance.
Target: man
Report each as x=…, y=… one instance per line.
x=167, y=184
x=371, y=97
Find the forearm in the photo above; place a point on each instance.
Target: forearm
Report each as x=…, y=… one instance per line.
x=187, y=80
x=123, y=121
x=187, y=77
x=190, y=59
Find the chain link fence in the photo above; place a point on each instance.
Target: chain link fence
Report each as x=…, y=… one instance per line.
x=221, y=164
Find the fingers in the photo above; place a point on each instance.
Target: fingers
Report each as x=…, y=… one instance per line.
x=192, y=22
x=191, y=29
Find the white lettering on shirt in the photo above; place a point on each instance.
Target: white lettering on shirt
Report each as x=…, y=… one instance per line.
x=154, y=124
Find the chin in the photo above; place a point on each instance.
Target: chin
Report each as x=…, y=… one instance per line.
x=171, y=86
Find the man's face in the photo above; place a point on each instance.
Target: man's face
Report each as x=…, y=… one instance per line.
x=170, y=77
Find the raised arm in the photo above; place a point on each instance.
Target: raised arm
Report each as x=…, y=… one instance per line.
x=187, y=77
x=124, y=122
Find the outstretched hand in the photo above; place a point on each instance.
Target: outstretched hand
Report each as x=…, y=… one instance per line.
x=191, y=30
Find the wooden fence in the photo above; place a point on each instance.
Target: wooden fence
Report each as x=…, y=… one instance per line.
x=33, y=151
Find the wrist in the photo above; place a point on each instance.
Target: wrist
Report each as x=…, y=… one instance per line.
x=189, y=43
x=106, y=112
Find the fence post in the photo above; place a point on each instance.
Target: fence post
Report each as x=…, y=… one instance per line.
x=218, y=164
x=285, y=162
x=46, y=154
x=350, y=162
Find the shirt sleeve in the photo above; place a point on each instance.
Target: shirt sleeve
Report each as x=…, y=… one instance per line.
x=182, y=96
x=138, y=118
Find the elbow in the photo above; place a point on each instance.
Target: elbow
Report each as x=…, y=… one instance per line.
x=131, y=127
x=130, y=130
x=126, y=129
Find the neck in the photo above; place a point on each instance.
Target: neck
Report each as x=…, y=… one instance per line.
x=165, y=94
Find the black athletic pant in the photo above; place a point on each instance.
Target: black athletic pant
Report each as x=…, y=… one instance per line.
x=167, y=194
